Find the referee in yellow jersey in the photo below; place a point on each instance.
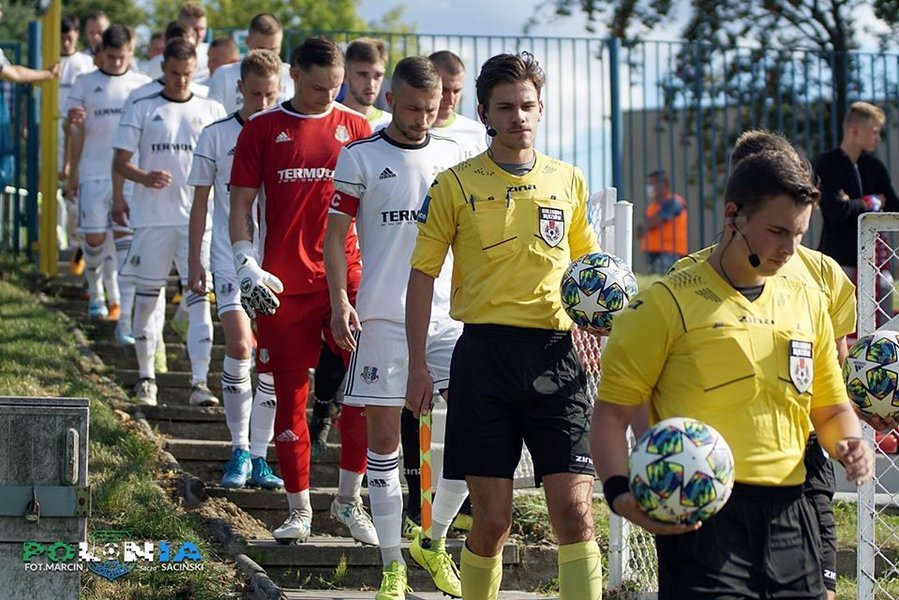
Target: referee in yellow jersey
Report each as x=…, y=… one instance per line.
x=823, y=274
x=728, y=343
x=514, y=220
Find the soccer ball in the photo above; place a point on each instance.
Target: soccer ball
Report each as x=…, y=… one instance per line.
x=682, y=471
x=595, y=288
x=871, y=372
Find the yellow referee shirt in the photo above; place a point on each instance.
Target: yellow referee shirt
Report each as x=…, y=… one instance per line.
x=693, y=346
x=512, y=239
x=816, y=270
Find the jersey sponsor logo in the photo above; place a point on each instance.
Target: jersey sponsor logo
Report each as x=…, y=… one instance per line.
x=282, y=137
x=105, y=112
x=97, y=89
x=387, y=173
x=801, y=369
x=755, y=320
x=422, y=216
x=551, y=224
x=232, y=151
x=341, y=134
x=369, y=374
x=485, y=172
x=157, y=118
x=171, y=147
x=305, y=174
x=392, y=217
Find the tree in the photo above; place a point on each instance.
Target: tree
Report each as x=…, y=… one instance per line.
x=308, y=15
x=829, y=27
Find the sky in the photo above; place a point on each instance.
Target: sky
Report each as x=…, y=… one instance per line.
x=508, y=17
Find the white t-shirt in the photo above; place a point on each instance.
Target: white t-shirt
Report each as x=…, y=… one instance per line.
x=103, y=97
x=212, y=166
x=70, y=67
x=223, y=86
x=470, y=134
x=152, y=67
x=383, y=183
x=164, y=133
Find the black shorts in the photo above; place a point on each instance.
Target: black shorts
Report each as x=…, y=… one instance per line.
x=510, y=385
x=819, y=488
x=763, y=544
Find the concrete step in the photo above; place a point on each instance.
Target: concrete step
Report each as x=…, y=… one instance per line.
x=105, y=330
x=172, y=379
x=196, y=422
x=270, y=507
x=313, y=563
x=367, y=595
x=206, y=459
x=176, y=352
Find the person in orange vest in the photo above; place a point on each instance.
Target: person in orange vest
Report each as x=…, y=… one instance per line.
x=664, y=232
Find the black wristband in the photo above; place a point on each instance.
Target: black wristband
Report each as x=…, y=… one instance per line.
x=613, y=487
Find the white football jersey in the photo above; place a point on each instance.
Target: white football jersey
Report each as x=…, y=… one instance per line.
x=383, y=183
x=102, y=96
x=470, y=134
x=201, y=73
x=223, y=86
x=70, y=67
x=164, y=133
x=212, y=166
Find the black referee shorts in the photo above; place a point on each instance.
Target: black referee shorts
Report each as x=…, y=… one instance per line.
x=762, y=545
x=819, y=488
x=510, y=385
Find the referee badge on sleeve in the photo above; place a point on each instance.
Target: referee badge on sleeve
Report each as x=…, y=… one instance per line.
x=801, y=370
x=552, y=225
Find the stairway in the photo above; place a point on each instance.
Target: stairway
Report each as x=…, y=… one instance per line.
x=198, y=439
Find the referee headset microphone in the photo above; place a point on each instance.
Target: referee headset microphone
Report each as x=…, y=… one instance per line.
x=753, y=258
x=491, y=132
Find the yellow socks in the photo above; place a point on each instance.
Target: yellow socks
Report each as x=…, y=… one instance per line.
x=482, y=575
x=580, y=571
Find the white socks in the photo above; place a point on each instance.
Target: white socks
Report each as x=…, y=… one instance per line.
x=262, y=415
x=349, y=486
x=146, y=330
x=448, y=499
x=237, y=395
x=126, y=288
x=199, y=335
x=300, y=501
x=93, y=260
x=386, y=499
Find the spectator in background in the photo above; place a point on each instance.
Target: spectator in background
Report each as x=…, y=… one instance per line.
x=222, y=51
x=664, y=230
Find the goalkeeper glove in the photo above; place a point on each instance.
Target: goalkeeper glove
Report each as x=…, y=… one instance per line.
x=257, y=287
x=872, y=202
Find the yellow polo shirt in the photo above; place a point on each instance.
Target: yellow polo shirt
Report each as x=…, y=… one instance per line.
x=816, y=270
x=695, y=347
x=512, y=239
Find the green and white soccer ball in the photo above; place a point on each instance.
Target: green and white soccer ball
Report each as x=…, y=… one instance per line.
x=681, y=471
x=595, y=288
x=871, y=373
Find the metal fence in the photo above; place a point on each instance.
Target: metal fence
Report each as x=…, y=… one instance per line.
x=622, y=109
x=13, y=206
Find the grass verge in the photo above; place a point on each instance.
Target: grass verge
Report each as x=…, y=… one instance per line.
x=39, y=356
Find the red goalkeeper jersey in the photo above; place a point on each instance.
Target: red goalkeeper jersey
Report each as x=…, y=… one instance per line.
x=291, y=158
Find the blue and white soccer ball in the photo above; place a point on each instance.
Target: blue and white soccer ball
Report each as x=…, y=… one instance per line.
x=871, y=373
x=681, y=471
x=595, y=288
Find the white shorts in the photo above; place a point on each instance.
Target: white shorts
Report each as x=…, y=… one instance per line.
x=227, y=292
x=379, y=367
x=94, y=206
x=153, y=251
